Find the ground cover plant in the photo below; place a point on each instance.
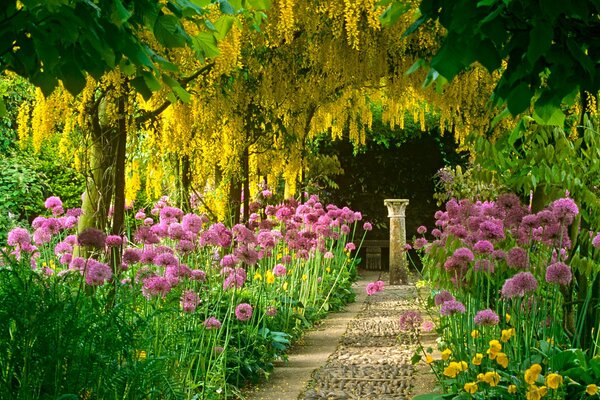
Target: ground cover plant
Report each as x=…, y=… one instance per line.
x=178, y=308
x=502, y=301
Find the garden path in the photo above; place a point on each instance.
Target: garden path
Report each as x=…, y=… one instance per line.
x=359, y=353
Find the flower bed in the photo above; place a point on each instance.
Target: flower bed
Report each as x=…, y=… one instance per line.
x=177, y=309
x=502, y=299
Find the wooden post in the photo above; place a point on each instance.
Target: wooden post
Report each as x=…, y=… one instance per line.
x=398, y=265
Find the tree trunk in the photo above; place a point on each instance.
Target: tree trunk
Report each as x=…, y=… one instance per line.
x=246, y=183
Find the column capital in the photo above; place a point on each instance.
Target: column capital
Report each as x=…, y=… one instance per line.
x=396, y=207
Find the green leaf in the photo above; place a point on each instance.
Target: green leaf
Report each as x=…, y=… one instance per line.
x=225, y=7
x=415, y=67
x=223, y=26
x=259, y=4
x=581, y=57
x=540, y=40
x=548, y=114
x=519, y=99
x=210, y=25
x=207, y=44
x=3, y=110
x=168, y=31
x=119, y=14
x=151, y=82
x=393, y=13
x=415, y=358
x=183, y=95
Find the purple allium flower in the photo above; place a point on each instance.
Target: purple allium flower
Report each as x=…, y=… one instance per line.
x=519, y=285
x=77, y=263
x=596, y=241
x=518, y=258
x=235, y=279
x=185, y=246
x=97, y=273
x=463, y=255
x=266, y=239
x=246, y=254
x=486, y=317
x=74, y=212
x=483, y=247
x=564, y=210
x=53, y=202
x=212, y=323
x=148, y=221
x=427, y=326
x=436, y=232
x=42, y=236
x=491, y=229
x=62, y=248
x=198, y=275
x=350, y=246
x=452, y=307
x=165, y=260
x=145, y=235
x=66, y=258
x=92, y=237
x=132, y=255
x=421, y=229
x=367, y=226
x=155, y=286
x=192, y=223
x=228, y=260
x=114, y=240
x=443, y=297
x=140, y=215
x=18, y=237
x=371, y=288
x=243, y=312
x=410, y=321
x=189, y=301
x=559, y=273
x=420, y=243
x=279, y=270
x=271, y=311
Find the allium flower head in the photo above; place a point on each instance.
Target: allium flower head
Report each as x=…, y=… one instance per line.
x=243, y=312
x=52, y=202
x=518, y=258
x=156, y=286
x=421, y=229
x=596, y=241
x=271, y=311
x=189, y=301
x=18, y=237
x=114, y=240
x=452, y=307
x=443, y=297
x=564, y=210
x=367, y=226
x=519, y=285
x=486, y=317
x=463, y=255
x=212, y=323
x=97, y=273
x=420, y=243
x=410, y=321
x=491, y=229
x=483, y=247
x=279, y=270
x=559, y=273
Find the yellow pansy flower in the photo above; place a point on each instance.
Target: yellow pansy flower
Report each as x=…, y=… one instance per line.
x=591, y=389
x=428, y=359
x=492, y=378
x=140, y=354
x=257, y=276
x=304, y=277
x=477, y=359
x=475, y=334
x=512, y=389
x=480, y=377
x=495, y=348
x=328, y=269
x=284, y=286
x=507, y=334
x=269, y=277
x=532, y=373
x=507, y=318
x=470, y=387
x=446, y=354
x=553, y=380
x=453, y=369
x=502, y=359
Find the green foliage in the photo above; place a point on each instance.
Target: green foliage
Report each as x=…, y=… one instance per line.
x=473, y=183
x=13, y=91
x=551, y=48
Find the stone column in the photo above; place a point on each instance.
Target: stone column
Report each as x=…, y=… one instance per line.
x=398, y=264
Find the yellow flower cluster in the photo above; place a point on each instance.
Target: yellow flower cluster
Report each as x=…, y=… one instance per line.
x=454, y=368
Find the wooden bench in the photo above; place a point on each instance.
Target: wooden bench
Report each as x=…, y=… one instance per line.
x=373, y=253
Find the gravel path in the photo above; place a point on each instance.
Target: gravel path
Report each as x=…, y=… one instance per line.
x=356, y=354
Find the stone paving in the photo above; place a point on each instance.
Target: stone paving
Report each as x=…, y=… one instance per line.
x=372, y=361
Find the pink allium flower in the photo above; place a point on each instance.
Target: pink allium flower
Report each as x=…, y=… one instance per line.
x=243, y=312
x=18, y=237
x=350, y=246
x=42, y=236
x=328, y=255
x=156, y=286
x=235, y=279
x=410, y=321
x=443, y=297
x=74, y=212
x=145, y=235
x=131, y=256
x=140, y=215
x=436, y=232
x=407, y=247
x=53, y=202
x=77, y=263
x=212, y=323
x=559, y=273
x=228, y=260
x=189, y=301
x=243, y=235
x=68, y=222
x=427, y=326
x=491, y=229
x=519, y=285
x=483, y=247
x=198, y=275
x=266, y=239
x=452, y=307
x=192, y=223
x=185, y=246
x=246, y=254
x=114, y=240
x=596, y=241
x=271, y=311
x=367, y=226
x=166, y=260
x=564, y=210
x=484, y=265
x=170, y=214
x=97, y=273
x=371, y=288
x=279, y=270
x=266, y=193
x=486, y=317
x=66, y=258
x=148, y=221
x=62, y=248
x=380, y=285
x=176, y=231
x=345, y=229
x=420, y=243
x=518, y=258
x=421, y=229
x=463, y=255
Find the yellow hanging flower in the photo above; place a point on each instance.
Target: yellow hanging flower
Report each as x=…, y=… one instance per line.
x=512, y=389
x=475, y=334
x=507, y=334
x=553, y=381
x=591, y=389
x=477, y=359
x=492, y=378
x=470, y=387
x=502, y=359
x=495, y=348
x=446, y=354
x=532, y=373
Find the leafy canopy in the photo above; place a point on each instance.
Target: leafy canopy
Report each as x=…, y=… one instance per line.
x=551, y=48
